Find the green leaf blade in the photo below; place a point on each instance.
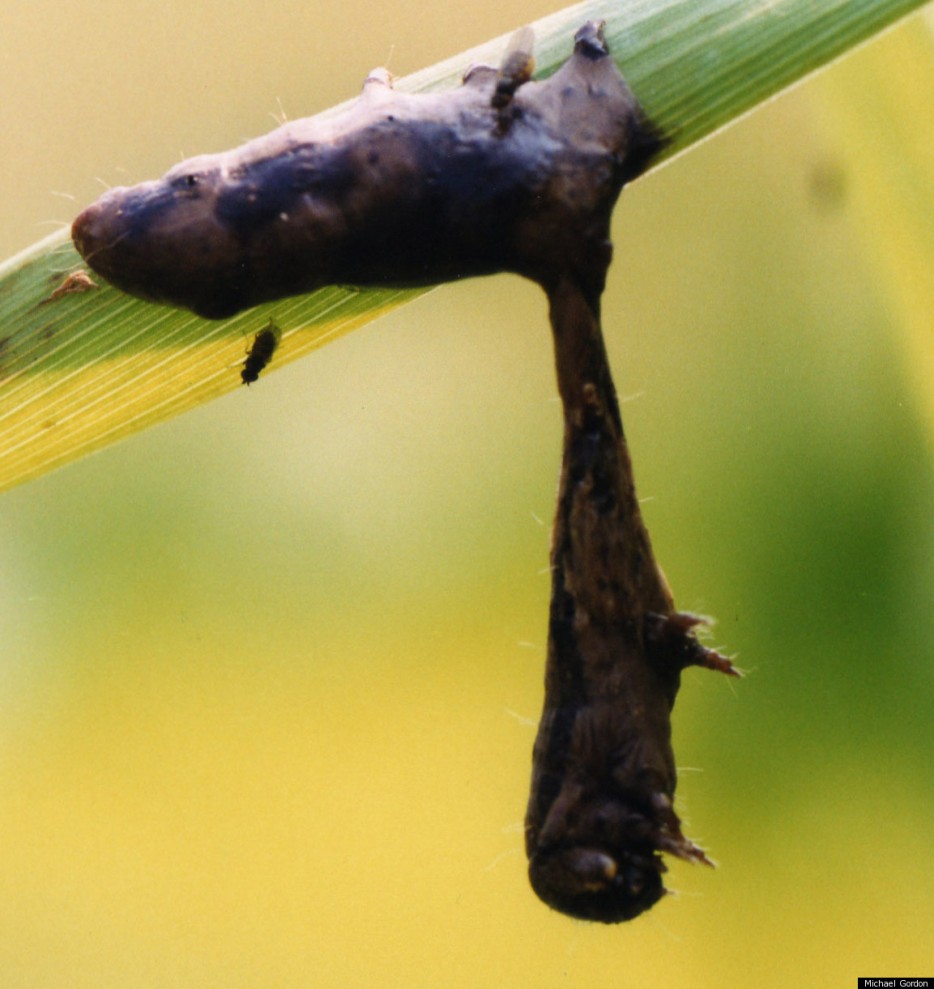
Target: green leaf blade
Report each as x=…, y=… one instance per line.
x=80, y=371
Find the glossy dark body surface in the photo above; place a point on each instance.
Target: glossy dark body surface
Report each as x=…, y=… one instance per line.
x=400, y=190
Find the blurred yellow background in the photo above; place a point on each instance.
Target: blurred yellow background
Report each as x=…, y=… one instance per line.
x=270, y=672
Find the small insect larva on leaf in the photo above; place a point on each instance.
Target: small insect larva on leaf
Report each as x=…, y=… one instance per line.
x=260, y=353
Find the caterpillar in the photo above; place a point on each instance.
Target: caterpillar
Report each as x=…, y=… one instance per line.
x=502, y=174
x=398, y=190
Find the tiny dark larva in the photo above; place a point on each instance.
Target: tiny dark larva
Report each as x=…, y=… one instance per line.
x=260, y=353
x=503, y=174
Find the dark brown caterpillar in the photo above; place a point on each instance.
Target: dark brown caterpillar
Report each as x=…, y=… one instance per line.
x=503, y=174
x=400, y=189
x=260, y=353
x=603, y=781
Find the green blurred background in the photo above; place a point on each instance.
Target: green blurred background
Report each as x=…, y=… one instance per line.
x=270, y=672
